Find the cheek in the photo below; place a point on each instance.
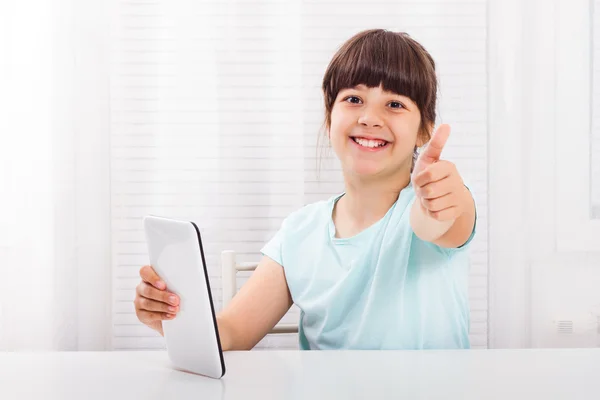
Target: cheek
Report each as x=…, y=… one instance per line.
x=336, y=140
x=405, y=133
x=405, y=136
x=340, y=124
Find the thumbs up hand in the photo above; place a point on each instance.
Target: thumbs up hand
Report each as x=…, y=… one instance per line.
x=438, y=186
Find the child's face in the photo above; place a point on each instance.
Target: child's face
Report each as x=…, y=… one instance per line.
x=374, y=132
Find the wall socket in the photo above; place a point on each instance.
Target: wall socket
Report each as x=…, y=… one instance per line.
x=577, y=330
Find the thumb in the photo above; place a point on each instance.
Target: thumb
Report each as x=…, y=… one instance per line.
x=148, y=275
x=434, y=148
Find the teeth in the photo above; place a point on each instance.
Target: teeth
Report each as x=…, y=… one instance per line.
x=369, y=143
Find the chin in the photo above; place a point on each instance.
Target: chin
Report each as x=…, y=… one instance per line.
x=365, y=169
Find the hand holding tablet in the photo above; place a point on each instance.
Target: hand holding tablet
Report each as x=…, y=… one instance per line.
x=177, y=261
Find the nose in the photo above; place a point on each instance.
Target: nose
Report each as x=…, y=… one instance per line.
x=370, y=119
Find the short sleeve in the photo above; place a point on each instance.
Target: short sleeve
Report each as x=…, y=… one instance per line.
x=280, y=243
x=274, y=247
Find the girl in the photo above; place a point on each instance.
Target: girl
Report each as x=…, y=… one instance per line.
x=383, y=265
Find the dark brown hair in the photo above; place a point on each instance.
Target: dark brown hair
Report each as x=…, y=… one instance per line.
x=380, y=57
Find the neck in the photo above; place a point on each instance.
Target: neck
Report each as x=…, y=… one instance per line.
x=366, y=201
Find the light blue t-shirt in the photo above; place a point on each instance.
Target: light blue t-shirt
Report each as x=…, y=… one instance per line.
x=383, y=288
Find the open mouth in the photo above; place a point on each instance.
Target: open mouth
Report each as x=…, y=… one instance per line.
x=373, y=144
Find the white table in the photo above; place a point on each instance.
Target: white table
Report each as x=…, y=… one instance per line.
x=468, y=374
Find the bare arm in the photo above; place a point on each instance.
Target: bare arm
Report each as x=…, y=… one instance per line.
x=448, y=233
x=444, y=210
x=256, y=308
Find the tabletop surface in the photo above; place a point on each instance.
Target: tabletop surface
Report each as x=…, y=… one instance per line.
x=270, y=374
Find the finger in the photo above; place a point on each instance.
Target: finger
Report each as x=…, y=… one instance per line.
x=447, y=214
x=149, y=292
x=146, y=304
x=149, y=316
x=440, y=203
x=436, y=189
x=434, y=148
x=148, y=274
x=434, y=173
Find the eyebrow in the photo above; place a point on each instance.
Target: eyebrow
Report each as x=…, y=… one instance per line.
x=362, y=86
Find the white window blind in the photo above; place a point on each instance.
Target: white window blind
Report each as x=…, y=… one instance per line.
x=595, y=139
x=215, y=113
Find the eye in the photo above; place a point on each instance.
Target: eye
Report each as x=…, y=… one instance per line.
x=396, y=104
x=352, y=99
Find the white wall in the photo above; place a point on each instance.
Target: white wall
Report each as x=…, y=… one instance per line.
x=544, y=259
x=54, y=176
x=595, y=144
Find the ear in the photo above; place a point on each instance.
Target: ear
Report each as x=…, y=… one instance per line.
x=424, y=134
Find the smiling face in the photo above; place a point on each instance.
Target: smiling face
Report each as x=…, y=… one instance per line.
x=380, y=92
x=373, y=132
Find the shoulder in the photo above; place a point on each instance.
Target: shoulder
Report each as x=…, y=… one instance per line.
x=309, y=215
x=296, y=228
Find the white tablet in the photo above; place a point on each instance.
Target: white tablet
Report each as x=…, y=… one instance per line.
x=192, y=337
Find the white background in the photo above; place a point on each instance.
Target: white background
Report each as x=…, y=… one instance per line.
x=595, y=145
x=211, y=111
